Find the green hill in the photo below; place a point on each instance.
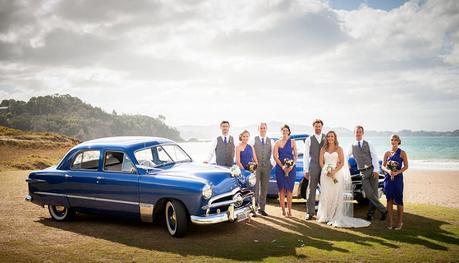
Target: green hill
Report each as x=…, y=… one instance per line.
x=70, y=116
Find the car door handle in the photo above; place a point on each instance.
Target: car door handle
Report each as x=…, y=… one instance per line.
x=67, y=176
x=99, y=178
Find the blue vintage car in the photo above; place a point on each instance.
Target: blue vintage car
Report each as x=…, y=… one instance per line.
x=151, y=178
x=301, y=184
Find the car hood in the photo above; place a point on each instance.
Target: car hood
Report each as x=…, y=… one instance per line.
x=218, y=177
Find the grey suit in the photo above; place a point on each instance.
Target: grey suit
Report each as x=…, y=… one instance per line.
x=314, y=173
x=365, y=164
x=224, y=152
x=263, y=152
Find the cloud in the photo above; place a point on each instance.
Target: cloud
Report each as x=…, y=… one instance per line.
x=201, y=61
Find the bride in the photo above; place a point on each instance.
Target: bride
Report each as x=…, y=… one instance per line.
x=336, y=195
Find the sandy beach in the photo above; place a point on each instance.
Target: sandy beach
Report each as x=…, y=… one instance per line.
x=437, y=187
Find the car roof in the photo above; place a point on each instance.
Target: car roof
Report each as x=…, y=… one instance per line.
x=124, y=142
x=298, y=136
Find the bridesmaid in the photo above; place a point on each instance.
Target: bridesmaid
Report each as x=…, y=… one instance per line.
x=245, y=153
x=393, y=181
x=285, y=148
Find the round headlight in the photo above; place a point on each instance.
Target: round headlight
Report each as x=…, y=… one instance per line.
x=252, y=180
x=206, y=191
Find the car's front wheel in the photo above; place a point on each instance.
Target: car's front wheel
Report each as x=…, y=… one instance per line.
x=61, y=213
x=176, y=218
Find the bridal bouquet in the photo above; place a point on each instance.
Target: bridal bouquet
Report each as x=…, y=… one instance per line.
x=329, y=170
x=235, y=171
x=252, y=166
x=289, y=163
x=392, y=165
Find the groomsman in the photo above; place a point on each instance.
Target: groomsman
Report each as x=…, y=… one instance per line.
x=222, y=147
x=264, y=151
x=368, y=165
x=311, y=165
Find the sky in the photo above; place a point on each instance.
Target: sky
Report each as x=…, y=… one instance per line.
x=388, y=65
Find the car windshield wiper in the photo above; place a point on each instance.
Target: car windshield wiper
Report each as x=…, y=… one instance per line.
x=164, y=164
x=184, y=161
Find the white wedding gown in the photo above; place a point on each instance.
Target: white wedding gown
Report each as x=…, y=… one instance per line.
x=336, y=199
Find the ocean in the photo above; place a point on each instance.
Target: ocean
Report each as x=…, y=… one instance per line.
x=435, y=153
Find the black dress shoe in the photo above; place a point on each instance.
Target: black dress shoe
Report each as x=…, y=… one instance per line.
x=309, y=217
x=262, y=212
x=369, y=217
x=383, y=216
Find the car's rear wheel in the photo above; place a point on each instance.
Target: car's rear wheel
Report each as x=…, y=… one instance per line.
x=61, y=213
x=176, y=218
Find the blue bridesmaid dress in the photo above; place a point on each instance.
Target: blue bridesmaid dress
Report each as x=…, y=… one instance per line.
x=284, y=182
x=246, y=156
x=394, y=188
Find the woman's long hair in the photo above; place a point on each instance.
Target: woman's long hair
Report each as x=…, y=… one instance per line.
x=326, y=140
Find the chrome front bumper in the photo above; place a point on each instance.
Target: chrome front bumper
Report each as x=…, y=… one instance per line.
x=233, y=214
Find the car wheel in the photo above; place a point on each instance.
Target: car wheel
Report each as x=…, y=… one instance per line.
x=61, y=213
x=176, y=219
x=363, y=201
x=304, y=188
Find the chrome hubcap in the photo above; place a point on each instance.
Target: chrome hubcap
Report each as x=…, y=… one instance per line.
x=171, y=216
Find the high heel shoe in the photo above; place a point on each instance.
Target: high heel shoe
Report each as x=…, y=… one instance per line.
x=399, y=227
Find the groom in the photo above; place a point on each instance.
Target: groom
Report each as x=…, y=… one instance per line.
x=367, y=164
x=311, y=166
x=222, y=147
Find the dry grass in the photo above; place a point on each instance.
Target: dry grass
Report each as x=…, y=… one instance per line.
x=21, y=150
x=27, y=234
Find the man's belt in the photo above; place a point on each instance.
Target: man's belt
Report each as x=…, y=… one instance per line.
x=366, y=168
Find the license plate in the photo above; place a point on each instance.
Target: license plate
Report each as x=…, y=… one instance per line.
x=243, y=216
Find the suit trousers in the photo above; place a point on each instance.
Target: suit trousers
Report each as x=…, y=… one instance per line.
x=370, y=187
x=261, y=186
x=314, y=177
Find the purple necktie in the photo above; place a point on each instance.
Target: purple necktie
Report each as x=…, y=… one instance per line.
x=360, y=146
x=225, y=140
x=262, y=140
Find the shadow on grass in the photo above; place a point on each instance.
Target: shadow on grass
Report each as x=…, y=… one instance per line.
x=258, y=239
x=417, y=230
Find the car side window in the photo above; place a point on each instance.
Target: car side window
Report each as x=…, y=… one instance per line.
x=87, y=160
x=118, y=162
x=145, y=157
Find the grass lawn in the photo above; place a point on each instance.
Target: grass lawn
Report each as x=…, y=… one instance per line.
x=430, y=233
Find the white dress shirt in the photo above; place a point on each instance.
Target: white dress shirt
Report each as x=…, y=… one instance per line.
x=271, y=159
x=307, y=145
x=374, y=156
x=211, y=155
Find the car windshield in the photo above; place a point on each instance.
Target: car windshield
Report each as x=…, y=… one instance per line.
x=300, y=146
x=161, y=155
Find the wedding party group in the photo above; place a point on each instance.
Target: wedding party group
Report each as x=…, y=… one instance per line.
x=325, y=166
